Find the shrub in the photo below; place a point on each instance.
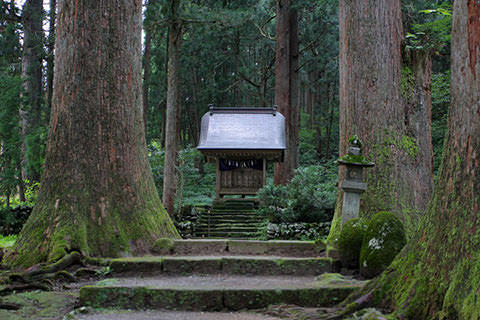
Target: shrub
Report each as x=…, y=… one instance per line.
x=383, y=240
x=350, y=242
x=195, y=180
x=13, y=219
x=309, y=197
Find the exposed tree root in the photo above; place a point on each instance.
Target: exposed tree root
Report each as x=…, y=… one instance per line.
x=9, y=306
x=23, y=287
x=70, y=268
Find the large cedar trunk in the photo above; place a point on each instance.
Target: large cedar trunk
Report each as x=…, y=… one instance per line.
x=173, y=109
x=438, y=275
x=286, y=86
x=97, y=193
x=373, y=105
x=30, y=114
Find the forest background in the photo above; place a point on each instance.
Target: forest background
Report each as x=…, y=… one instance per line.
x=227, y=58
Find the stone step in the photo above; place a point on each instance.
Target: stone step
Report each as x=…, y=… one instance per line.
x=216, y=292
x=230, y=221
x=229, y=234
x=231, y=265
x=240, y=224
x=220, y=247
x=233, y=220
x=225, y=228
x=119, y=314
x=232, y=214
x=248, y=220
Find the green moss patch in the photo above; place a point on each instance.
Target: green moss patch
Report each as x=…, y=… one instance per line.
x=350, y=242
x=163, y=246
x=39, y=305
x=383, y=240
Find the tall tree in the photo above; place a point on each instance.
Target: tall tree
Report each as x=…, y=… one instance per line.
x=31, y=113
x=437, y=276
x=286, y=85
x=97, y=193
x=175, y=37
x=10, y=100
x=50, y=54
x=373, y=106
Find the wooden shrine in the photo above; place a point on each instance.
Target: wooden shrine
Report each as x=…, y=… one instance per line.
x=241, y=141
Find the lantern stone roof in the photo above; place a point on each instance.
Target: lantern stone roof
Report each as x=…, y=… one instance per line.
x=243, y=133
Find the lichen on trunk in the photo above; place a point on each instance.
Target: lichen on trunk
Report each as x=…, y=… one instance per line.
x=97, y=193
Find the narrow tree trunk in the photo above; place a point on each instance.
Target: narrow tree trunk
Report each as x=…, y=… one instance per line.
x=373, y=106
x=30, y=114
x=417, y=94
x=171, y=133
x=328, y=133
x=97, y=193
x=286, y=84
x=146, y=74
x=50, y=57
x=436, y=276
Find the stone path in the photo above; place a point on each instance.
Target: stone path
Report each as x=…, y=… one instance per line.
x=217, y=276
x=172, y=315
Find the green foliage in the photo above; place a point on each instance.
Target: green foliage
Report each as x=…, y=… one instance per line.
x=350, y=158
x=7, y=241
x=195, y=179
x=13, y=219
x=431, y=30
x=383, y=240
x=309, y=197
x=307, y=152
x=294, y=231
x=350, y=242
x=355, y=139
x=440, y=105
x=196, y=184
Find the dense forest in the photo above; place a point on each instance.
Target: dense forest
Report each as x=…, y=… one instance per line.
x=100, y=115
x=226, y=57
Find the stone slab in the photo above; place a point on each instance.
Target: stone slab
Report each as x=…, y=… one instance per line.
x=186, y=265
x=211, y=293
x=172, y=315
x=276, y=248
x=199, y=246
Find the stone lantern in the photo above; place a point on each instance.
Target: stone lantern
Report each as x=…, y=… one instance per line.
x=353, y=186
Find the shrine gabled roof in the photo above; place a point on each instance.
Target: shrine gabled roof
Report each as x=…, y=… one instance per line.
x=242, y=129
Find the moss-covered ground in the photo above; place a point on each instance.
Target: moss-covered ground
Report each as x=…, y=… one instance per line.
x=38, y=305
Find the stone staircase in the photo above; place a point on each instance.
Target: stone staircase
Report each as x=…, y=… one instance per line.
x=229, y=218
x=222, y=274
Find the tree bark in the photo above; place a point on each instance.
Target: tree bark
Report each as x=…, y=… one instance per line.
x=286, y=86
x=436, y=276
x=97, y=194
x=373, y=106
x=30, y=114
x=173, y=108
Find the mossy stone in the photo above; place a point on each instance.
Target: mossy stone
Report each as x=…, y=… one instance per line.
x=163, y=246
x=350, y=242
x=383, y=240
